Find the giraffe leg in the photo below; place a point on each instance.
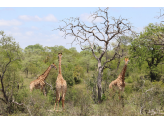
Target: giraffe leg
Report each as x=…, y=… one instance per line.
x=56, y=100
x=44, y=91
x=63, y=104
x=63, y=99
x=31, y=88
x=41, y=88
x=55, y=103
x=122, y=99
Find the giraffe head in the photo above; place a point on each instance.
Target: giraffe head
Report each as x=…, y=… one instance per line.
x=53, y=66
x=126, y=60
x=59, y=54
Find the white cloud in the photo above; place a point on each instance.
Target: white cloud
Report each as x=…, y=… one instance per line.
x=13, y=33
x=50, y=17
x=10, y=22
x=87, y=17
x=30, y=18
x=36, y=18
x=16, y=34
x=29, y=33
x=15, y=28
x=24, y=17
x=34, y=28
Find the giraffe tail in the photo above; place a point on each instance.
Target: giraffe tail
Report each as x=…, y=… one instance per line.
x=60, y=99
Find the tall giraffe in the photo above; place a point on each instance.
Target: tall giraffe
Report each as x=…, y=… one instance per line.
x=39, y=83
x=61, y=85
x=119, y=82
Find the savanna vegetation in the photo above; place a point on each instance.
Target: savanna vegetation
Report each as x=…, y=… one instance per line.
x=88, y=73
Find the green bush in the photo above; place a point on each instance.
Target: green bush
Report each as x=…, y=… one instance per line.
x=129, y=79
x=103, y=97
x=79, y=100
x=128, y=89
x=67, y=72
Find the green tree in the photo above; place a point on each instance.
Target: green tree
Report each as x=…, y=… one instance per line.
x=67, y=72
x=78, y=74
x=143, y=49
x=33, y=47
x=32, y=62
x=10, y=55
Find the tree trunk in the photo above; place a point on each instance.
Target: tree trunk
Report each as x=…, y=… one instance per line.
x=152, y=76
x=87, y=68
x=27, y=74
x=3, y=91
x=99, y=79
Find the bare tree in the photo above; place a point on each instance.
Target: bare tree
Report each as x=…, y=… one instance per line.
x=91, y=37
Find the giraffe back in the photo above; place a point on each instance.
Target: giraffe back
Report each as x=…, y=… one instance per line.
x=37, y=84
x=118, y=83
x=61, y=84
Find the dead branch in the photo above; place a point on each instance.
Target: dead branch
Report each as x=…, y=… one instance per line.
x=3, y=100
x=160, y=16
x=152, y=112
x=17, y=103
x=28, y=110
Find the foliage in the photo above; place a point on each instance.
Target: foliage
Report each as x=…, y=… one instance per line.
x=78, y=74
x=68, y=74
x=9, y=72
x=32, y=48
x=143, y=49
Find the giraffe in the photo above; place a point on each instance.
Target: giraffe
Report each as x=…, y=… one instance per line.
x=39, y=83
x=61, y=85
x=119, y=82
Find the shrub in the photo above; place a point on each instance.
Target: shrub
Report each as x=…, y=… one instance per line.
x=129, y=80
x=80, y=100
x=128, y=89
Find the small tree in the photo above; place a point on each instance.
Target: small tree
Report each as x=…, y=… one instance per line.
x=10, y=81
x=93, y=35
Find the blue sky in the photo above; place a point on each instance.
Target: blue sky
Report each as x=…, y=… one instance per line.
x=32, y=25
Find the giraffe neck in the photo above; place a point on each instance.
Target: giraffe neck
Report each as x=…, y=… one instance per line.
x=122, y=74
x=45, y=74
x=59, y=64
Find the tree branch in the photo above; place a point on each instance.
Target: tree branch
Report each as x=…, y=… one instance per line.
x=114, y=56
x=3, y=100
